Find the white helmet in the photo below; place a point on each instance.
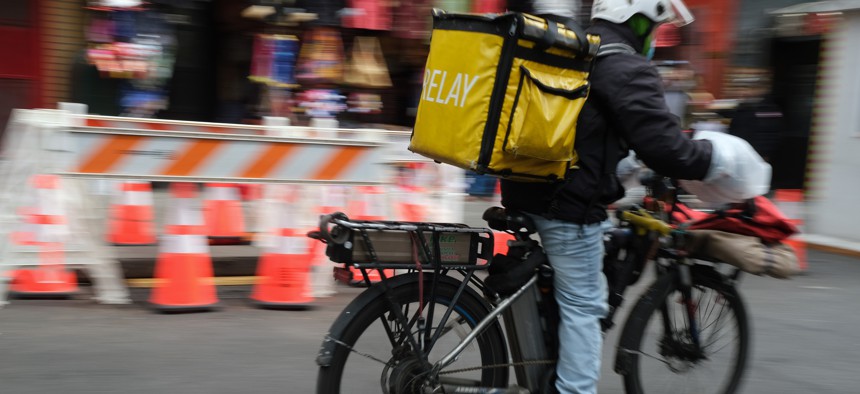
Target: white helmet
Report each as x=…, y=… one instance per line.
x=659, y=11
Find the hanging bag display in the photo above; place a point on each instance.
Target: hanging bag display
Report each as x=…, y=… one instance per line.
x=320, y=57
x=366, y=66
x=502, y=94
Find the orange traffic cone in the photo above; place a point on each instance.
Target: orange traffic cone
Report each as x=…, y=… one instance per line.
x=410, y=207
x=131, y=216
x=369, y=204
x=332, y=198
x=500, y=242
x=47, y=229
x=790, y=203
x=225, y=221
x=284, y=273
x=183, y=271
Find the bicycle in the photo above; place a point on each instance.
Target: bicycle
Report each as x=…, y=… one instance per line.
x=507, y=318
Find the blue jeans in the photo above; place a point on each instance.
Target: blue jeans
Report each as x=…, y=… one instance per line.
x=576, y=255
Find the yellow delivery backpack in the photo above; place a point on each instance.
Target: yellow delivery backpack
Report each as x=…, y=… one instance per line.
x=502, y=93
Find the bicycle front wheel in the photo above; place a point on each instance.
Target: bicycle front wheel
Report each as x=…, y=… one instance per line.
x=659, y=351
x=374, y=353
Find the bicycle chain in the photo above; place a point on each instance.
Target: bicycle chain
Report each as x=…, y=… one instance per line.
x=341, y=343
x=516, y=364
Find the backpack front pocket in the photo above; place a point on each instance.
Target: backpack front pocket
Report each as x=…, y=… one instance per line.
x=543, y=117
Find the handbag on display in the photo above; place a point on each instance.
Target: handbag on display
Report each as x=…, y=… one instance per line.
x=366, y=66
x=320, y=57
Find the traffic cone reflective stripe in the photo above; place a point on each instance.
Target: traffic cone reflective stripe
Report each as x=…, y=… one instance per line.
x=131, y=219
x=283, y=273
x=223, y=211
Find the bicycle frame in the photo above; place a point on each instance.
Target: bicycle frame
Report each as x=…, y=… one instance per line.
x=527, y=344
x=525, y=337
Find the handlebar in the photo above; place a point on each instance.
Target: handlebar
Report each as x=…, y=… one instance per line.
x=641, y=219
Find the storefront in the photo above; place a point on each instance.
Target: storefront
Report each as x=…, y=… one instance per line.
x=832, y=184
x=20, y=74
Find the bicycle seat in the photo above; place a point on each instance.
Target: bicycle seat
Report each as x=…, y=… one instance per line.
x=500, y=219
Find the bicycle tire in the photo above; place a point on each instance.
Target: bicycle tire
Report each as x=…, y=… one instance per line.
x=470, y=307
x=647, y=367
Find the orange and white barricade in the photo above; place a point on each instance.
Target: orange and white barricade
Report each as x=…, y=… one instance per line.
x=35, y=143
x=75, y=146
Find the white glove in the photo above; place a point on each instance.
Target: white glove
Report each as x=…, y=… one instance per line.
x=737, y=172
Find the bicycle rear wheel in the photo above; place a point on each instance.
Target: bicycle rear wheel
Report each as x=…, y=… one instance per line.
x=373, y=355
x=657, y=352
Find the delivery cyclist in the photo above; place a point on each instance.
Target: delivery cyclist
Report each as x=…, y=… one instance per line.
x=625, y=110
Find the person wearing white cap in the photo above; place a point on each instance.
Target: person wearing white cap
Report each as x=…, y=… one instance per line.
x=625, y=110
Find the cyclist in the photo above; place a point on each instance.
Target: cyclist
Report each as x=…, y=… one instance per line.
x=625, y=109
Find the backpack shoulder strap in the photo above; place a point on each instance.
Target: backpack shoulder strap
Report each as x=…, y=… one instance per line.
x=615, y=48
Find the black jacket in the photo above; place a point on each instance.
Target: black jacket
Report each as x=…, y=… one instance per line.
x=625, y=109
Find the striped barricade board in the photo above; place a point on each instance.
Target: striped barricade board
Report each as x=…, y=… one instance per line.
x=107, y=152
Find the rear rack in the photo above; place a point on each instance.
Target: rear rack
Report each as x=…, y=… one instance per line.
x=399, y=244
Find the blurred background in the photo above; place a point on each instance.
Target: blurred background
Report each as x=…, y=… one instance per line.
x=779, y=73
x=360, y=62
x=775, y=72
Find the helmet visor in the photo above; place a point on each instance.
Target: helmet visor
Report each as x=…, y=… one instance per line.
x=683, y=16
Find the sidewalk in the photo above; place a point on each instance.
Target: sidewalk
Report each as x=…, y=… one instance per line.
x=831, y=245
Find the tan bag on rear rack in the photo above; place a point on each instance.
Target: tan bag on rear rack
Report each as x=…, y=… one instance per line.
x=749, y=254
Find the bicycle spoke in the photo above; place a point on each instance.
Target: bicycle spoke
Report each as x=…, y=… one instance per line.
x=669, y=360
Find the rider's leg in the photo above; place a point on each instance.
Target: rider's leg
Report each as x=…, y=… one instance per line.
x=576, y=254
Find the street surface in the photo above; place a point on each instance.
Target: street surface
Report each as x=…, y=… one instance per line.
x=805, y=340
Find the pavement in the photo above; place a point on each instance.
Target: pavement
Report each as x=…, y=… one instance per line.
x=804, y=334
x=804, y=341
